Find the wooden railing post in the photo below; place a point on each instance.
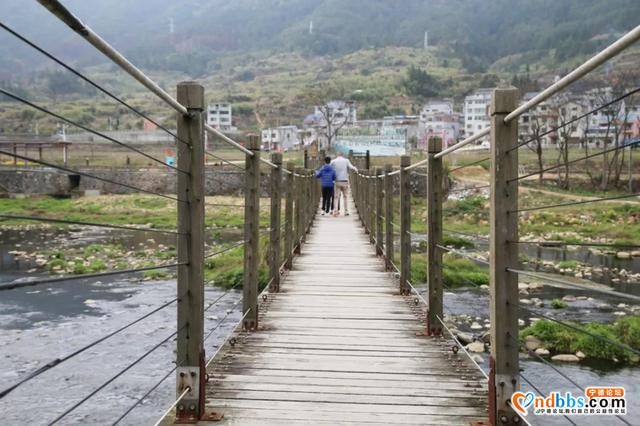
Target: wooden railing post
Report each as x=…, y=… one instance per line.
x=378, y=212
x=371, y=211
x=405, y=225
x=305, y=159
x=276, y=203
x=504, y=369
x=365, y=197
x=434, y=237
x=367, y=160
x=288, y=217
x=297, y=211
x=190, y=245
x=251, y=234
x=388, y=215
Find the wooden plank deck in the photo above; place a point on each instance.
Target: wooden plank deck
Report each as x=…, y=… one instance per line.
x=338, y=345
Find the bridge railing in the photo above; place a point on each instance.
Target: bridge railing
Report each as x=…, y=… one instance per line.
x=267, y=252
x=374, y=191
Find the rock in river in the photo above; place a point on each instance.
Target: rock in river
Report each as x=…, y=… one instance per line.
x=565, y=358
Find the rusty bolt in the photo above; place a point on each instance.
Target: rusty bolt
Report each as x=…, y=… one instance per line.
x=192, y=407
x=416, y=301
x=504, y=419
x=232, y=341
x=264, y=297
x=193, y=374
x=181, y=407
x=516, y=419
x=182, y=374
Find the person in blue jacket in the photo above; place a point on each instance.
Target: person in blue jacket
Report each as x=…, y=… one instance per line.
x=327, y=176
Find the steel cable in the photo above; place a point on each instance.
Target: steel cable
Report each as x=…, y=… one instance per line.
x=576, y=203
x=78, y=222
x=91, y=82
x=78, y=172
x=59, y=361
x=88, y=129
x=15, y=285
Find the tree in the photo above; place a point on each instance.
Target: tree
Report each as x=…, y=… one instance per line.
x=332, y=120
x=419, y=83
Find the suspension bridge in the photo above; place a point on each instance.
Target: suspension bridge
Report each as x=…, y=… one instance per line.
x=338, y=332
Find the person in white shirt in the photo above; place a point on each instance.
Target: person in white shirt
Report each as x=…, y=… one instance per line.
x=342, y=166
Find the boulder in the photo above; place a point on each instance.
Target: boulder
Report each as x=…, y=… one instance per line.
x=542, y=352
x=476, y=347
x=477, y=358
x=532, y=343
x=476, y=326
x=581, y=355
x=464, y=338
x=623, y=255
x=565, y=358
x=569, y=298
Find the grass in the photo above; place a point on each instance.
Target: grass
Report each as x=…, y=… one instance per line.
x=457, y=272
x=560, y=339
x=559, y=304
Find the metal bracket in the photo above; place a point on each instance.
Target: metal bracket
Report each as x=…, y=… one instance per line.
x=186, y=410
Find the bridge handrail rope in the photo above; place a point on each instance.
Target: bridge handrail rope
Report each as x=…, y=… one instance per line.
x=62, y=279
x=54, y=363
x=88, y=80
x=93, y=224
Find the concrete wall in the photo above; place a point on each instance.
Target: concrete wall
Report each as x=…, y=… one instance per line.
x=218, y=182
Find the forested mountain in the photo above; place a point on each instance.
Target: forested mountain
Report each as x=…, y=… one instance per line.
x=193, y=35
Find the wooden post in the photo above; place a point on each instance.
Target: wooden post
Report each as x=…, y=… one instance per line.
x=305, y=159
x=276, y=203
x=405, y=225
x=371, y=211
x=435, y=199
x=190, y=245
x=15, y=153
x=65, y=154
x=288, y=217
x=366, y=203
x=367, y=160
x=297, y=212
x=504, y=374
x=379, y=216
x=40, y=152
x=388, y=215
x=251, y=234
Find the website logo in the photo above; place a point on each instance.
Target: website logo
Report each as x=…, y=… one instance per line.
x=595, y=401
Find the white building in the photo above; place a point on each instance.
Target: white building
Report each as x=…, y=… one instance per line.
x=280, y=139
x=476, y=112
x=337, y=112
x=437, y=118
x=219, y=116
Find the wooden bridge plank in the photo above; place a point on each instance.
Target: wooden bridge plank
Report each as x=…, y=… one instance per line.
x=338, y=345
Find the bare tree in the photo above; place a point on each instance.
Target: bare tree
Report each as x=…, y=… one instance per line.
x=332, y=122
x=535, y=142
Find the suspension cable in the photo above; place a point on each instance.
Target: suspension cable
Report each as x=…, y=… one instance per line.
x=541, y=394
x=62, y=13
x=482, y=160
x=223, y=160
x=78, y=222
x=88, y=129
x=51, y=364
x=575, y=203
x=573, y=285
x=78, y=172
x=224, y=250
x=550, y=244
x=582, y=330
x=14, y=285
x=573, y=120
x=88, y=80
x=108, y=382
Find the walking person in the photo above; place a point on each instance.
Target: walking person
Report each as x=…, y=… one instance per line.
x=342, y=166
x=327, y=176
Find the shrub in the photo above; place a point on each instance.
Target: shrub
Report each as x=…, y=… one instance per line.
x=558, y=304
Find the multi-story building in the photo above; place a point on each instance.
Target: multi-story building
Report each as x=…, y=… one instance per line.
x=281, y=138
x=437, y=118
x=476, y=116
x=337, y=112
x=219, y=116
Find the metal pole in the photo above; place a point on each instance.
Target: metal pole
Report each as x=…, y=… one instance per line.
x=434, y=237
x=276, y=203
x=388, y=215
x=190, y=350
x=405, y=224
x=504, y=378
x=251, y=234
x=288, y=217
